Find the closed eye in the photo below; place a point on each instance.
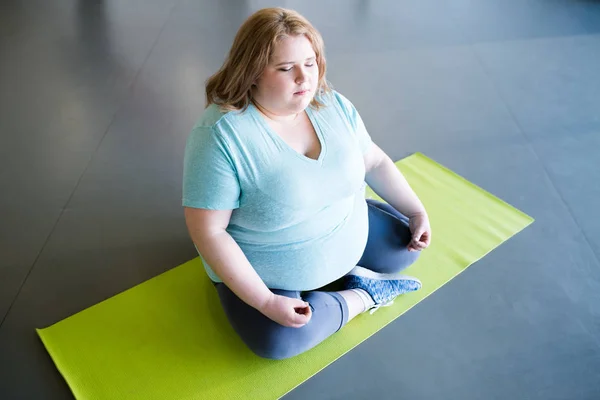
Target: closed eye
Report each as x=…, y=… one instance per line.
x=290, y=68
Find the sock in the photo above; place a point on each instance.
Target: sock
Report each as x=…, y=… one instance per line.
x=365, y=297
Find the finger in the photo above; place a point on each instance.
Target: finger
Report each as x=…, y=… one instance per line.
x=297, y=303
x=308, y=314
x=290, y=324
x=421, y=245
x=428, y=239
x=301, y=319
x=302, y=310
x=296, y=325
x=425, y=240
x=416, y=246
x=301, y=307
x=416, y=237
x=425, y=236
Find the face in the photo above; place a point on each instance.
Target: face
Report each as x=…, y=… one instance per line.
x=288, y=83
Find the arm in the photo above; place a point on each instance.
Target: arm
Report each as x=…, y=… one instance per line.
x=387, y=181
x=222, y=253
x=207, y=229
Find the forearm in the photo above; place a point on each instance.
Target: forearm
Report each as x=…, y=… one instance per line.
x=226, y=259
x=388, y=182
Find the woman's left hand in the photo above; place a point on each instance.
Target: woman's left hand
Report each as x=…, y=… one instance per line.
x=421, y=232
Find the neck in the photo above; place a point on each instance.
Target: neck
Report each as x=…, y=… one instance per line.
x=282, y=118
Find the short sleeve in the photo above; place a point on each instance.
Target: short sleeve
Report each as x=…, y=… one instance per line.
x=355, y=121
x=209, y=177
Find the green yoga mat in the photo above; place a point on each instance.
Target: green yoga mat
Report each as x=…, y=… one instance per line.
x=168, y=338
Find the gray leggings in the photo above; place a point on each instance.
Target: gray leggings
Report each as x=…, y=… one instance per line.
x=386, y=251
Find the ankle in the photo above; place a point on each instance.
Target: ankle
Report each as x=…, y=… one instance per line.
x=365, y=297
x=354, y=303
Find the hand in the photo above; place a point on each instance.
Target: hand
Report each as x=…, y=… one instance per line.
x=421, y=232
x=286, y=311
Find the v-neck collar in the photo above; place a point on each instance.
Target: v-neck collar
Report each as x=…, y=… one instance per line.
x=309, y=112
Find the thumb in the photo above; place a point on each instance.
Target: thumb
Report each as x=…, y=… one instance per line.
x=298, y=303
x=302, y=311
x=417, y=234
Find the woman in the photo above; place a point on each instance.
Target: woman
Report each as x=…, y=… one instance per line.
x=274, y=194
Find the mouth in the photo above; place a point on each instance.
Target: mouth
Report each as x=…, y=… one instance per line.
x=302, y=92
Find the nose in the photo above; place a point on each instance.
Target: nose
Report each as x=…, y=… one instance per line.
x=301, y=76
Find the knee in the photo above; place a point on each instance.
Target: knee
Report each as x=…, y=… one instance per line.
x=408, y=258
x=274, y=347
x=273, y=354
x=404, y=237
x=270, y=340
x=395, y=261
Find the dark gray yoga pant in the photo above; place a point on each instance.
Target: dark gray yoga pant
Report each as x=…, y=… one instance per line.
x=386, y=251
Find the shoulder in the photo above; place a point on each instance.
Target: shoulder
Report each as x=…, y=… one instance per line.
x=339, y=106
x=220, y=122
x=219, y=132
x=336, y=101
x=207, y=131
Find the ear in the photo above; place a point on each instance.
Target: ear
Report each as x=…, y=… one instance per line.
x=256, y=80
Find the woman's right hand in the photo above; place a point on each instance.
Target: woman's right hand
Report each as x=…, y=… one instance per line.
x=286, y=311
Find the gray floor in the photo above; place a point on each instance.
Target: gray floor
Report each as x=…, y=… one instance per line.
x=96, y=101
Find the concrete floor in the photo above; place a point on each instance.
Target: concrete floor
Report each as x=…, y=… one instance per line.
x=98, y=97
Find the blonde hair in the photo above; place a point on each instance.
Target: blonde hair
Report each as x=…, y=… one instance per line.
x=231, y=87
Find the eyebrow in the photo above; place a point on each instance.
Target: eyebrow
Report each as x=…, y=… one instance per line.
x=291, y=62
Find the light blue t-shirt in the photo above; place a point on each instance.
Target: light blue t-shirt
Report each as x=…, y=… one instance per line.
x=302, y=223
